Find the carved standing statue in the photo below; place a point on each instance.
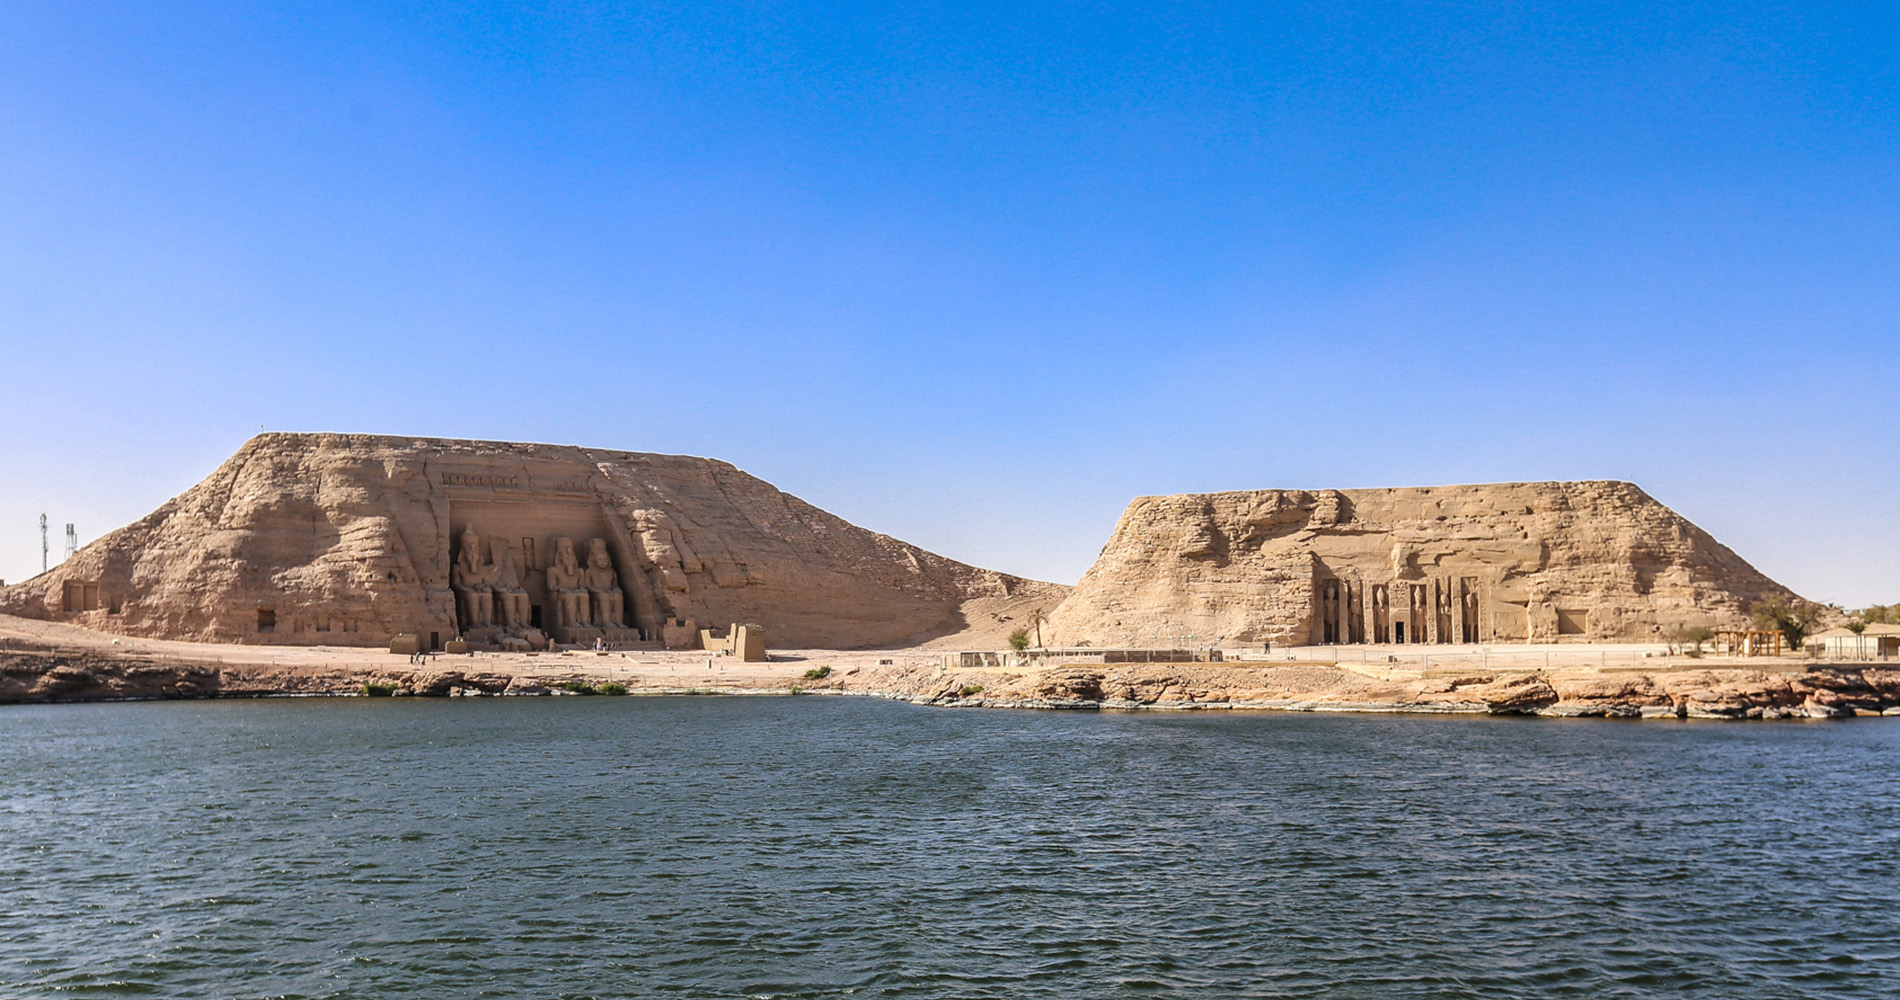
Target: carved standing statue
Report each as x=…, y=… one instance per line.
x=471, y=580
x=602, y=587
x=567, y=585
x=511, y=600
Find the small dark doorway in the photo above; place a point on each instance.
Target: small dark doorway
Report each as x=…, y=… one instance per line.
x=435, y=640
x=266, y=620
x=534, y=615
x=1398, y=633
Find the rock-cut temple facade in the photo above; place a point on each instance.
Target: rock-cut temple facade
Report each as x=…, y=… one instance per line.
x=352, y=539
x=1498, y=563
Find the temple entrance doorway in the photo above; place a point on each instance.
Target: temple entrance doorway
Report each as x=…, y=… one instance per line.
x=1398, y=633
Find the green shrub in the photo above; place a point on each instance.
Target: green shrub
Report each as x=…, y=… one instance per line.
x=613, y=688
x=1019, y=639
x=578, y=688
x=378, y=690
x=970, y=689
x=817, y=673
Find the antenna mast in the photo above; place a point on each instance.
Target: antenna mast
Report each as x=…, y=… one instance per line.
x=43, y=548
x=72, y=540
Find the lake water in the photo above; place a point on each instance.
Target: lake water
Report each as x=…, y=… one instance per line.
x=829, y=847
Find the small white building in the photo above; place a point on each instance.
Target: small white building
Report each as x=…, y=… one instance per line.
x=1875, y=642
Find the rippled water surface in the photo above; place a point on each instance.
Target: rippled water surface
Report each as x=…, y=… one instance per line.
x=798, y=847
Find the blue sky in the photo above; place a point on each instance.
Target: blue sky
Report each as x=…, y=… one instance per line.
x=972, y=275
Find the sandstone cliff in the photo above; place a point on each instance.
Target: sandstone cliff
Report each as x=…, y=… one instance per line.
x=350, y=539
x=1491, y=563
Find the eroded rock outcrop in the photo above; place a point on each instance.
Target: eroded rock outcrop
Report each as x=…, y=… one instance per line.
x=1493, y=563
x=350, y=539
x=38, y=675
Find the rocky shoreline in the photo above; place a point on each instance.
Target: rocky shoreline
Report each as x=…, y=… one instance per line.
x=1782, y=691
x=61, y=676
x=1790, y=691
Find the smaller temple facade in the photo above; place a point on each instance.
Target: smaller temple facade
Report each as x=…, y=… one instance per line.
x=1494, y=563
x=1438, y=609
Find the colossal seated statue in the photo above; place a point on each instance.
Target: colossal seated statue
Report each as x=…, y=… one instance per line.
x=567, y=586
x=472, y=580
x=602, y=586
x=510, y=599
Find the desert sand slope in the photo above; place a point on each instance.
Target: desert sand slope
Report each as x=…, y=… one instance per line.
x=349, y=539
x=1554, y=561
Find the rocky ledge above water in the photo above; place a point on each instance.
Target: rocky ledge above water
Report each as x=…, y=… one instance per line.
x=55, y=675
x=1783, y=691
x=1813, y=691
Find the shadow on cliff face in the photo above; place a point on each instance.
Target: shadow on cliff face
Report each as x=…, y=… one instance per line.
x=955, y=623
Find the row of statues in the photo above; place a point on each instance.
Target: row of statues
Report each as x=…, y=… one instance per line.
x=585, y=596
x=489, y=593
